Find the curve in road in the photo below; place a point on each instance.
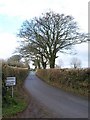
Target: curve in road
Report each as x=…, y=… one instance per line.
x=61, y=103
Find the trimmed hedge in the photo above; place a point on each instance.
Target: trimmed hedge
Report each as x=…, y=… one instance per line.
x=76, y=80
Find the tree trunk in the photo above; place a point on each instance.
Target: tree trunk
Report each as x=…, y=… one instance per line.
x=52, y=58
x=44, y=65
x=38, y=64
x=52, y=62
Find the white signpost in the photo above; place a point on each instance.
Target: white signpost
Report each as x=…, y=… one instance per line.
x=11, y=81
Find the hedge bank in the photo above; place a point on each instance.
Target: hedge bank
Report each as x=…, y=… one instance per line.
x=75, y=80
x=11, y=106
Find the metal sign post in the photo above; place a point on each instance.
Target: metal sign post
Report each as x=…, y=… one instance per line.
x=11, y=81
x=12, y=91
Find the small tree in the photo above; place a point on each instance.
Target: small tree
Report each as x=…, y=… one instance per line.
x=14, y=60
x=76, y=63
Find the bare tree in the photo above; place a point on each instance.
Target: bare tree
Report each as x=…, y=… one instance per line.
x=51, y=33
x=76, y=63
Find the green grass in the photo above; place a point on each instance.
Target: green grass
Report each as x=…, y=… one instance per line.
x=15, y=106
x=12, y=106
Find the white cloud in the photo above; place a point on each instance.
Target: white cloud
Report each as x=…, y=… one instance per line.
x=23, y=8
x=31, y=8
x=7, y=45
x=82, y=54
x=79, y=9
x=26, y=9
x=82, y=49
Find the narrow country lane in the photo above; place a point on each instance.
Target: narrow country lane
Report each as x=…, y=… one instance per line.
x=61, y=103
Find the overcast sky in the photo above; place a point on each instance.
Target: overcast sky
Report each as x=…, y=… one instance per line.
x=14, y=12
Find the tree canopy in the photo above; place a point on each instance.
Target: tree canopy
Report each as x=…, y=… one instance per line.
x=45, y=36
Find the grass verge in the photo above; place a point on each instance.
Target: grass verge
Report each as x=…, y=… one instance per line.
x=17, y=105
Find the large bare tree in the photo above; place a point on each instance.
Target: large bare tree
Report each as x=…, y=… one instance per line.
x=51, y=33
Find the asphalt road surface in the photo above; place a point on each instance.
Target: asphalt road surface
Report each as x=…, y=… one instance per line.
x=61, y=103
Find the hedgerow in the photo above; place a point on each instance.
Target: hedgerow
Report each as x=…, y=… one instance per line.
x=8, y=102
x=76, y=80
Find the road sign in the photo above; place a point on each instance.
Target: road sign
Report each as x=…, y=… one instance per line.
x=11, y=81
